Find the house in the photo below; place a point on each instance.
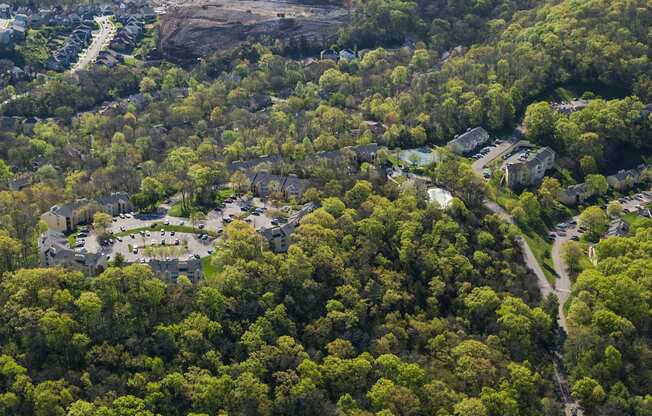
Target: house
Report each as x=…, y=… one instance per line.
x=469, y=140
x=347, y=55
x=55, y=251
x=66, y=217
x=109, y=58
x=569, y=107
x=171, y=269
x=366, y=152
x=19, y=30
x=575, y=194
x=17, y=74
x=148, y=13
x=377, y=128
x=293, y=188
x=279, y=236
x=116, y=203
x=6, y=37
x=624, y=179
x=329, y=54
x=529, y=167
x=419, y=157
x=617, y=228
x=264, y=184
x=21, y=19
x=21, y=182
x=35, y=20
x=5, y=11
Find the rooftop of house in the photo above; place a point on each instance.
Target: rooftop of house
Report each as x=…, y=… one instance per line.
x=288, y=228
x=67, y=209
x=531, y=158
x=579, y=189
x=472, y=136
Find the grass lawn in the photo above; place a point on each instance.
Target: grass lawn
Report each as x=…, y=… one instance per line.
x=72, y=238
x=208, y=269
x=635, y=221
x=222, y=194
x=541, y=249
x=176, y=228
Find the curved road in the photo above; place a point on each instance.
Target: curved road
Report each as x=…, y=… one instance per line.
x=571, y=408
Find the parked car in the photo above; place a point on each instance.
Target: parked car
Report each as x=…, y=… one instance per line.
x=132, y=235
x=177, y=242
x=575, y=238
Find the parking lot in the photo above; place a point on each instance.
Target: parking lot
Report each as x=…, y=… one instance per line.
x=145, y=230
x=493, y=151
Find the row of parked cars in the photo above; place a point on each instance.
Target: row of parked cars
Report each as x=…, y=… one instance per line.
x=483, y=152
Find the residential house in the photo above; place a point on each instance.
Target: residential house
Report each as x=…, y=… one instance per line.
x=55, y=251
x=624, y=179
x=366, y=152
x=377, y=128
x=279, y=236
x=6, y=37
x=21, y=182
x=329, y=54
x=109, y=58
x=264, y=184
x=116, y=203
x=617, y=228
x=22, y=19
x=347, y=55
x=469, y=140
x=171, y=269
x=528, y=168
x=575, y=194
x=35, y=20
x=66, y=217
x=5, y=11
x=19, y=30
x=569, y=107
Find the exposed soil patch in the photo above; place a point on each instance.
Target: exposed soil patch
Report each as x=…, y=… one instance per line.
x=196, y=28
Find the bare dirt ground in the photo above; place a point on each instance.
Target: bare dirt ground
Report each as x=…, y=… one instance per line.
x=190, y=29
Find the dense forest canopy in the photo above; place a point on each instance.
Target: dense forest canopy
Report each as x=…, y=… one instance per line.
x=384, y=304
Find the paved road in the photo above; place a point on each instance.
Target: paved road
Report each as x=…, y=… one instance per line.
x=528, y=255
x=101, y=39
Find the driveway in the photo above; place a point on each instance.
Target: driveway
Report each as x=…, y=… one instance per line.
x=101, y=40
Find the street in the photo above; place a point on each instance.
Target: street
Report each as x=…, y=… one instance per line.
x=101, y=40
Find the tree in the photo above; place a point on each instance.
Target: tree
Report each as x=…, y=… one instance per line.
x=5, y=174
x=595, y=221
x=10, y=249
x=597, y=184
x=102, y=224
x=571, y=254
x=471, y=407
x=549, y=191
x=615, y=209
x=539, y=123
x=588, y=392
x=240, y=182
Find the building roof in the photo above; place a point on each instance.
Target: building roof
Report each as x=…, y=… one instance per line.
x=471, y=137
x=67, y=209
x=531, y=158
